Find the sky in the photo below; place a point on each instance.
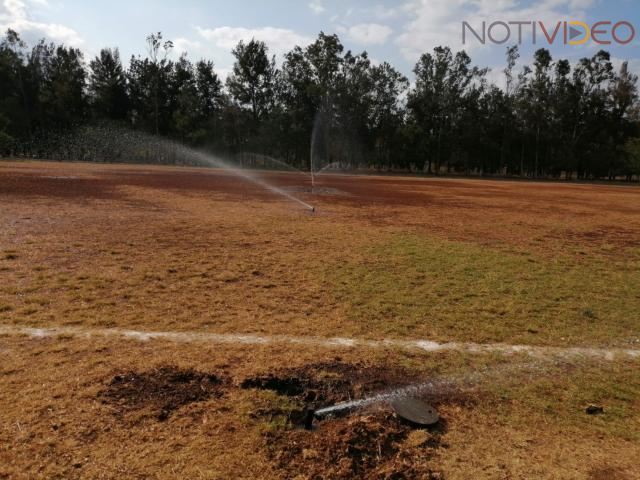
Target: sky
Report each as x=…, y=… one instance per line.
x=394, y=31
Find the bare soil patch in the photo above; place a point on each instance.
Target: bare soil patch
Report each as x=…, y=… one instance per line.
x=374, y=446
x=162, y=390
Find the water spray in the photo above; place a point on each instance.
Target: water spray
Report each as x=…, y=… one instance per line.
x=118, y=144
x=268, y=159
x=217, y=162
x=404, y=392
x=318, y=145
x=405, y=399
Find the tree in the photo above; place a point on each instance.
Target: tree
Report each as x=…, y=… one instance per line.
x=591, y=78
x=444, y=86
x=5, y=139
x=209, y=88
x=537, y=92
x=251, y=83
x=307, y=91
x=12, y=81
x=149, y=82
x=623, y=93
x=108, y=86
x=386, y=112
x=549, y=120
x=632, y=159
x=62, y=92
x=346, y=112
x=508, y=119
x=158, y=71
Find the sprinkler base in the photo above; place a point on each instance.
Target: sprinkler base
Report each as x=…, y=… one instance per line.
x=308, y=419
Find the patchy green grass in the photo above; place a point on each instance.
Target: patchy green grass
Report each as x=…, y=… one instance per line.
x=561, y=395
x=413, y=286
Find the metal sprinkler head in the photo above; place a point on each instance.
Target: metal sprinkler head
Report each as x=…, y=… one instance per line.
x=313, y=209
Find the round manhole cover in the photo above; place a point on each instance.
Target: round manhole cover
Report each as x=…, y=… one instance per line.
x=415, y=411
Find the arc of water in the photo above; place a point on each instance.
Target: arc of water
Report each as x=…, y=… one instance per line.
x=328, y=167
x=125, y=142
x=437, y=385
x=275, y=161
x=217, y=162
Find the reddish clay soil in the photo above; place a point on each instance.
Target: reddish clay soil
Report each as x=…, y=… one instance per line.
x=478, y=210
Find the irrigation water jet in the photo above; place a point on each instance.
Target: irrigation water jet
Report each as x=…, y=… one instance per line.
x=117, y=144
x=217, y=162
x=318, y=148
x=330, y=166
x=269, y=159
x=434, y=387
x=409, y=391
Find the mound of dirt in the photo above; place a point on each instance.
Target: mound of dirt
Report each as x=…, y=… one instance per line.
x=374, y=446
x=162, y=390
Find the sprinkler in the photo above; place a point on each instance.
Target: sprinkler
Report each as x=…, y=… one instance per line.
x=308, y=419
x=313, y=209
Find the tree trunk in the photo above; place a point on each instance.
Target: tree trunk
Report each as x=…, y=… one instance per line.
x=156, y=111
x=438, y=157
x=535, y=168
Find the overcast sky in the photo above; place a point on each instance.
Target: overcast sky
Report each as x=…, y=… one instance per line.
x=395, y=31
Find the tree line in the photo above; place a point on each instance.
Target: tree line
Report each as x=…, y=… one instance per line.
x=551, y=119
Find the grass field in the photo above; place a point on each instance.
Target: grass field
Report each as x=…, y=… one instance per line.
x=97, y=251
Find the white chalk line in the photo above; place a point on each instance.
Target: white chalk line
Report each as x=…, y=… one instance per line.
x=333, y=342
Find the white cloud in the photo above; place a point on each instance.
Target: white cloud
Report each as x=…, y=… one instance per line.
x=182, y=45
x=223, y=73
x=15, y=14
x=383, y=13
x=316, y=7
x=279, y=40
x=571, y=4
x=369, y=33
x=496, y=77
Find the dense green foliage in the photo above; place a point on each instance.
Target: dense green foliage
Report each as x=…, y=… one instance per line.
x=552, y=119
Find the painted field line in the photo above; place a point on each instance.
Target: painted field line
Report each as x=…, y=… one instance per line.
x=332, y=342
